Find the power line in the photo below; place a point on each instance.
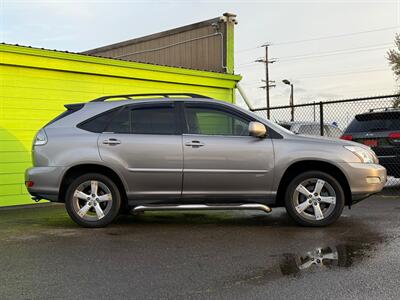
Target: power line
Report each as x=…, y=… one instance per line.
x=334, y=52
x=323, y=54
x=343, y=73
x=332, y=74
x=323, y=38
x=335, y=36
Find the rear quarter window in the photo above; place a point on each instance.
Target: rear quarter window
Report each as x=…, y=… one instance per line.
x=98, y=123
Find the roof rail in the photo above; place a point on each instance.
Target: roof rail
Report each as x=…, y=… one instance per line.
x=165, y=95
x=383, y=109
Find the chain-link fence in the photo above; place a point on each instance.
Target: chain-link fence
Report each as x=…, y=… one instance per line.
x=372, y=121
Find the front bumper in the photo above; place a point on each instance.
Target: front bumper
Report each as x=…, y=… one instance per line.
x=392, y=164
x=364, y=179
x=46, y=182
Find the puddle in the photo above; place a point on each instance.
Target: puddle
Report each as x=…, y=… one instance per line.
x=320, y=259
x=325, y=258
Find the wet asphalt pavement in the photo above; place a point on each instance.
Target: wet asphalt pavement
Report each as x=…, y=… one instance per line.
x=198, y=255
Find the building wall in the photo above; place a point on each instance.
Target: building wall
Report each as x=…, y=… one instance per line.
x=35, y=84
x=206, y=45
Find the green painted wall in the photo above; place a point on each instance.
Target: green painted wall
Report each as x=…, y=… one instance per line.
x=35, y=84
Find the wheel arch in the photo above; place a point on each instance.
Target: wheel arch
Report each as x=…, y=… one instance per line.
x=312, y=165
x=81, y=169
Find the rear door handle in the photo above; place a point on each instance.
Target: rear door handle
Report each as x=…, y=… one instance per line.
x=112, y=142
x=194, y=144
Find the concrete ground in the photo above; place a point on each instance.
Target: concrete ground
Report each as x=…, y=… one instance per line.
x=197, y=255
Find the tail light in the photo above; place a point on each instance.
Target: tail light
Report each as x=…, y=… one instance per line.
x=395, y=137
x=29, y=184
x=347, y=137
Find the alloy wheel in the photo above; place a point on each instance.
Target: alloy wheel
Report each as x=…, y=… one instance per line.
x=314, y=199
x=92, y=200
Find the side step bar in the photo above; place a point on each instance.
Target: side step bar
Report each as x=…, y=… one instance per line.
x=255, y=206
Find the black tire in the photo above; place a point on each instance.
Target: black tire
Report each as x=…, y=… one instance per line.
x=111, y=207
x=333, y=213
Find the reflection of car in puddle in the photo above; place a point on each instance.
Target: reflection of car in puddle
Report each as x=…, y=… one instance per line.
x=320, y=259
x=327, y=257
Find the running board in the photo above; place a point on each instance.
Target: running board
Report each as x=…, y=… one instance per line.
x=255, y=206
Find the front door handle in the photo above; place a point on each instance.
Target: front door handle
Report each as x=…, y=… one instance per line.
x=112, y=142
x=194, y=144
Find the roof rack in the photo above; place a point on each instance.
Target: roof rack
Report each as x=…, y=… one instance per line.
x=165, y=95
x=383, y=109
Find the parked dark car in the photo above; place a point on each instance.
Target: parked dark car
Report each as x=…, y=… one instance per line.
x=379, y=129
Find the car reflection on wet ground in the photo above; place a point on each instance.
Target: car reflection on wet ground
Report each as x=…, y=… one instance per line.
x=198, y=255
x=327, y=257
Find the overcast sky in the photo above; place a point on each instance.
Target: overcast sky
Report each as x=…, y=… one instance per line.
x=328, y=49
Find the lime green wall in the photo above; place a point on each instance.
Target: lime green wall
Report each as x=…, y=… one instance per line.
x=35, y=84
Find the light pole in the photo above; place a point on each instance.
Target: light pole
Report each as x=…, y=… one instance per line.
x=291, y=101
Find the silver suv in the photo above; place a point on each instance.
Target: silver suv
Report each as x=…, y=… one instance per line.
x=183, y=152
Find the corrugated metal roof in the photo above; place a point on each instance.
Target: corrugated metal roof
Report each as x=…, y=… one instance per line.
x=152, y=36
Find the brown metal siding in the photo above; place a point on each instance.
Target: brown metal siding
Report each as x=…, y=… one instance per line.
x=198, y=46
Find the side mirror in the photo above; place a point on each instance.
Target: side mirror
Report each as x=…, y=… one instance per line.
x=257, y=129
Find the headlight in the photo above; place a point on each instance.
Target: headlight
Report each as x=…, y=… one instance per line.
x=367, y=157
x=40, y=138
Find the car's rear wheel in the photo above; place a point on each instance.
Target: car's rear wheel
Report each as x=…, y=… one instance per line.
x=314, y=198
x=93, y=200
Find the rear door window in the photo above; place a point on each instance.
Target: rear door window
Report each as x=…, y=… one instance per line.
x=149, y=119
x=121, y=122
x=153, y=120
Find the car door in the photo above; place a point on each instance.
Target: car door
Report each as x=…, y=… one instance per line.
x=220, y=158
x=144, y=142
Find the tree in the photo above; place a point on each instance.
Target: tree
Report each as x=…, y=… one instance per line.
x=393, y=55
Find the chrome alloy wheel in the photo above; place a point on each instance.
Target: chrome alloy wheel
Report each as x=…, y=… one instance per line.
x=92, y=200
x=314, y=199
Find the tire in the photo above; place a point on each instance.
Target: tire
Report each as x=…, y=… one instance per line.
x=320, y=209
x=93, y=200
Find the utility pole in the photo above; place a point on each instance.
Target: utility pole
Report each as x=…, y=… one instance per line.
x=268, y=83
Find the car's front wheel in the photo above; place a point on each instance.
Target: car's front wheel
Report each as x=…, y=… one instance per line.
x=314, y=198
x=93, y=200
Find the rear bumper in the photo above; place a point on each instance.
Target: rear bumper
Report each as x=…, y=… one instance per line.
x=46, y=182
x=364, y=179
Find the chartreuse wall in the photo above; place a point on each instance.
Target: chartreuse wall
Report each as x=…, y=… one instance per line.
x=35, y=84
